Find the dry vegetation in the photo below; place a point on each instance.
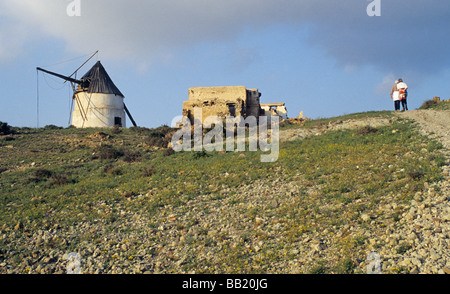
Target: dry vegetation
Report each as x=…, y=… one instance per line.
x=128, y=204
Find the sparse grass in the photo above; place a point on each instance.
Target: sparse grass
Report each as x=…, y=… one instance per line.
x=324, y=121
x=431, y=104
x=61, y=175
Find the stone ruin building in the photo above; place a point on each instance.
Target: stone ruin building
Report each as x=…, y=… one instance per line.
x=274, y=109
x=229, y=101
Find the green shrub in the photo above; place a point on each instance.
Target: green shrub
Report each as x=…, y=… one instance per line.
x=157, y=142
x=346, y=266
x=52, y=127
x=434, y=145
x=4, y=128
x=199, y=154
x=116, y=129
x=319, y=268
x=148, y=171
x=131, y=156
x=156, y=135
x=39, y=175
x=403, y=248
x=112, y=170
x=427, y=104
x=139, y=130
x=59, y=180
x=416, y=173
x=107, y=152
x=168, y=152
x=440, y=160
x=43, y=173
x=366, y=130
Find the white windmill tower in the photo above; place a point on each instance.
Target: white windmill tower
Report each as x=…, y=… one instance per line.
x=98, y=102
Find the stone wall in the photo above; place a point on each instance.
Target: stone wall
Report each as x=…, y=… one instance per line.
x=274, y=109
x=222, y=102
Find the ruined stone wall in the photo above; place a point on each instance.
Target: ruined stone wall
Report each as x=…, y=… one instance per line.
x=222, y=102
x=253, y=107
x=272, y=109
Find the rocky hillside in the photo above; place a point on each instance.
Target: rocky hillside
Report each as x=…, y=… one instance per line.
x=344, y=193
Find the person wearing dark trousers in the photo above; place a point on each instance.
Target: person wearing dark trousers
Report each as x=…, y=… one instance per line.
x=395, y=96
x=402, y=93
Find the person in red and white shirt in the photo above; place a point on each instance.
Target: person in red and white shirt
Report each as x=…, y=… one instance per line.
x=402, y=88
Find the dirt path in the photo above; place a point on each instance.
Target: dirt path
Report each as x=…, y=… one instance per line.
x=434, y=123
x=300, y=133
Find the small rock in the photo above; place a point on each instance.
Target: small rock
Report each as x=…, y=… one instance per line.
x=274, y=203
x=259, y=221
x=19, y=226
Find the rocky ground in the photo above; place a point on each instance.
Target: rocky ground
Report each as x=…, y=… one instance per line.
x=428, y=222
x=300, y=133
x=218, y=231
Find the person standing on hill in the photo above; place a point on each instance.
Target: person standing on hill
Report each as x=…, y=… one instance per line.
x=402, y=93
x=395, y=95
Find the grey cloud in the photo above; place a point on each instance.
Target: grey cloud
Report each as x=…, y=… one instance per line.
x=407, y=37
x=410, y=35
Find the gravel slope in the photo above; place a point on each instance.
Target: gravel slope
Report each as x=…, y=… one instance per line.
x=139, y=244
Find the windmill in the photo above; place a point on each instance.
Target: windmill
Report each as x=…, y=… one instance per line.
x=98, y=102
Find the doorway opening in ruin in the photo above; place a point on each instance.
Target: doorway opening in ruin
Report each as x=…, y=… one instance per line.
x=232, y=109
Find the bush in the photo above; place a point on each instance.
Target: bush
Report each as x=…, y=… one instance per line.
x=427, y=104
x=43, y=173
x=199, y=154
x=148, y=171
x=157, y=142
x=39, y=176
x=58, y=180
x=168, y=152
x=157, y=135
x=140, y=130
x=107, y=152
x=416, y=174
x=4, y=128
x=366, y=130
x=116, y=129
x=347, y=266
x=130, y=156
x=112, y=170
x=52, y=127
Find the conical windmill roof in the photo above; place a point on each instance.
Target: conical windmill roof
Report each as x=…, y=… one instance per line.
x=99, y=81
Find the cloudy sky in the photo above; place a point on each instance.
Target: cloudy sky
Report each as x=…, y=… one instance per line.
x=323, y=57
